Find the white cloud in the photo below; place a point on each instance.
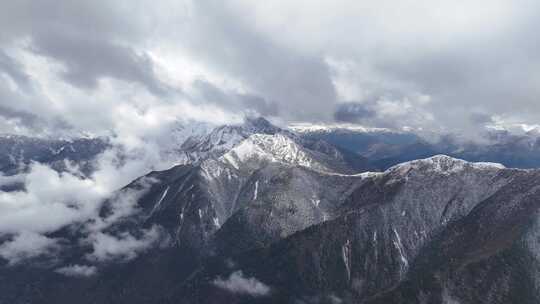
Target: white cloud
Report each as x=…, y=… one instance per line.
x=49, y=201
x=69, y=197
x=77, y=270
x=124, y=247
x=26, y=245
x=238, y=283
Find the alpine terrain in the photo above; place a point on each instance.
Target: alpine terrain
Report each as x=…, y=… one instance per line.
x=258, y=214
x=269, y=152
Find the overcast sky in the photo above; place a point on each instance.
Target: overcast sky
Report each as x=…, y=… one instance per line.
x=134, y=68
x=129, y=66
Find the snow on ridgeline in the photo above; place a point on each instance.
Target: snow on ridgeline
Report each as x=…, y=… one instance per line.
x=304, y=128
x=272, y=148
x=219, y=140
x=444, y=164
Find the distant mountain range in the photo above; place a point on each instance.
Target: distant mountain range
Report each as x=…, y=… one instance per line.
x=193, y=142
x=254, y=213
x=18, y=151
x=386, y=147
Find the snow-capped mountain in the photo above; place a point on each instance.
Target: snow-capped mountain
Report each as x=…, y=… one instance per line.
x=221, y=139
x=209, y=191
x=186, y=142
x=444, y=164
x=415, y=231
x=258, y=138
x=292, y=218
x=181, y=135
x=272, y=148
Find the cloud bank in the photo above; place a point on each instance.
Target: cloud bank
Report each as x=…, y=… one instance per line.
x=124, y=247
x=91, y=66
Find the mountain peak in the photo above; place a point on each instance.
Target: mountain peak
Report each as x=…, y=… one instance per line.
x=444, y=164
x=273, y=148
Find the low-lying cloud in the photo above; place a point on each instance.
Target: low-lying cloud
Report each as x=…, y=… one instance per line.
x=77, y=270
x=124, y=246
x=26, y=245
x=238, y=283
x=49, y=200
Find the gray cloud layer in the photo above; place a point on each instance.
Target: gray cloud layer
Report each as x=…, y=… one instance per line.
x=411, y=63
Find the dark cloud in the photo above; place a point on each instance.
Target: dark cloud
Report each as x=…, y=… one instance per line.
x=481, y=118
x=353, y=113
x=299, y=84
x=416, y=64
x=234, y=101
x=92, y=40
x=32, y=121
x=25, y=118
x=260, y=105
x=87, y=60
x=14, y=70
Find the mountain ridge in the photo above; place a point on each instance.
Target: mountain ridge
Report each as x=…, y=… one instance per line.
x=292, y=218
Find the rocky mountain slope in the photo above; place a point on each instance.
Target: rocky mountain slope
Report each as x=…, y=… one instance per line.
x=429, y=231
x=438, y=230
x=258, y=214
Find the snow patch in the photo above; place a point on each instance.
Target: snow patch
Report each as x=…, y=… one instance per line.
x=375, y=247
x=158, y=204
x=256, y=190
x=401, y=250
x=327, y=128
x=346, y=252
x=443, y=164
x=271, y=148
